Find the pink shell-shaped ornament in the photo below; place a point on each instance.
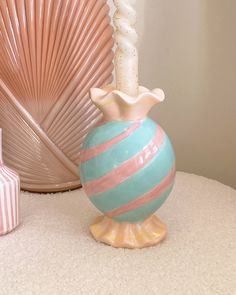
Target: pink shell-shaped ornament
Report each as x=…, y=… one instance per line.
x=51, y=54
x=9, y=196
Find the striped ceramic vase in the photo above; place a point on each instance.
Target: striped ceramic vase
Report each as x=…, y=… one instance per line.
x=9, y=196
x=127, y=171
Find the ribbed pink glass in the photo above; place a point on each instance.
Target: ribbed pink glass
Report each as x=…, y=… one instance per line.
x=9, y=196
x=51, y=54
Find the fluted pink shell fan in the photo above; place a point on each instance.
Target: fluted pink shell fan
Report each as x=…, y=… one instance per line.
x=51, y=54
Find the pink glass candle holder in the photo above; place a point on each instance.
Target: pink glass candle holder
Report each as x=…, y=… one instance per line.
x=9, y=196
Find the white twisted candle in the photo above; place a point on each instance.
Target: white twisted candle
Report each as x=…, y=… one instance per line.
x=126, y=56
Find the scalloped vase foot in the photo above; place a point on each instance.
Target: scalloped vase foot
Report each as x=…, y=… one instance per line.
x=51, y=54
x=129, y=235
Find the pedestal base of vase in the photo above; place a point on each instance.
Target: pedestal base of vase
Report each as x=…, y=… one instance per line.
x=129, y=235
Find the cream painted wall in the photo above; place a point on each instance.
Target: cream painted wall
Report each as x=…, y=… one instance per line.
x=188, y=48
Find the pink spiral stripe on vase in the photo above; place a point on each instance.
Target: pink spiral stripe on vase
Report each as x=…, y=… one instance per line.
x=127, y=169
x=148, y=197
x=87, y=155
x=9, y=196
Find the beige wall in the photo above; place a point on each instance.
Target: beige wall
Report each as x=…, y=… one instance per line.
x=188, y=48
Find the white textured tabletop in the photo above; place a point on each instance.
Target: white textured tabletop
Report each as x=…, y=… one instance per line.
x=52, y=251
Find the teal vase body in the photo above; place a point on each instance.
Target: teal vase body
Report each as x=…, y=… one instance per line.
x=127, y=169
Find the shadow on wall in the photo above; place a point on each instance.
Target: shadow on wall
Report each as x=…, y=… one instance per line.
x=188, y=49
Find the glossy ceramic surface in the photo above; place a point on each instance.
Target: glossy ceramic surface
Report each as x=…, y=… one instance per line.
x=127, y=169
